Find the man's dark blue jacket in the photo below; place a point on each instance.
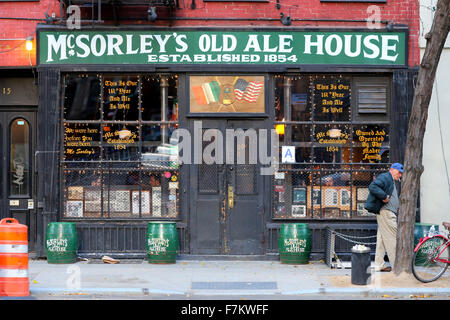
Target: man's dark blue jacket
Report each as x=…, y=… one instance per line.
x=379, y=189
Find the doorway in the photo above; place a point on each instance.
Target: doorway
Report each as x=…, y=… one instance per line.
x=227, y=201
x=17, y=189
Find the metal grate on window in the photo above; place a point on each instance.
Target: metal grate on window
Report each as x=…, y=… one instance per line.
x=323, y=193
x=245, y=175
x=208, y=177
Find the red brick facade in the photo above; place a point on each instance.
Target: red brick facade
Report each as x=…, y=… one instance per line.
x=21, y=23
x=310, y=13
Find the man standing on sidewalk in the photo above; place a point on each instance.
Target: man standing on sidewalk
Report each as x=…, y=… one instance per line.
x=383, y=201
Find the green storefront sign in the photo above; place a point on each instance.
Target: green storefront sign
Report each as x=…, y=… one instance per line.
x=222, y=47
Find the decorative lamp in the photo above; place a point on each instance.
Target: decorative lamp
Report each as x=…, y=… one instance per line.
x=29, y=43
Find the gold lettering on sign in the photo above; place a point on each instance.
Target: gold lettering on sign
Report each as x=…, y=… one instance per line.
x=325, y=138
x=80, y=141
x=371, y=142
x=113, y=138
x=119, y=94
x=330, y=96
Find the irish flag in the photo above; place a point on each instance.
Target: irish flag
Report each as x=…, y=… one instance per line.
x=207, y=93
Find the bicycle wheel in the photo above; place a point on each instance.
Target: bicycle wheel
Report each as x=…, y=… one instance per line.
x=424, y=265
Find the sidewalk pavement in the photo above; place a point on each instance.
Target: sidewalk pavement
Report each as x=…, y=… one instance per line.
x=188, y=279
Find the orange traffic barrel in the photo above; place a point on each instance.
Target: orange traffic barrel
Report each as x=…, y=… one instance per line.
x=13, y=258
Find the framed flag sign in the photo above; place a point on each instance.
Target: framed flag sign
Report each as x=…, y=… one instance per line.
x=227, y=94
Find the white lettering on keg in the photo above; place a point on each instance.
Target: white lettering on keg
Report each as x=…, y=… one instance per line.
x=429, y=247
x=57, y=245
x=157, y=245
x=295, y=245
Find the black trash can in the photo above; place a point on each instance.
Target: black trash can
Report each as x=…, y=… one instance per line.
x=360, y=266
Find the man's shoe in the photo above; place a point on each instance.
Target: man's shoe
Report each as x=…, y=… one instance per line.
x=386, y=269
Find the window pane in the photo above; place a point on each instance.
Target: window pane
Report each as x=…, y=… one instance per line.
x=331, y=143
x=301, y=139
x=82, y=193
x=151, y=98
x=81, y=142
x=120, y=142
x=300, y=99
x=155, y=134
x=158, y=151
x=371, y=143
x=82, y=97
x=19, y=166
x=332, y=195
x=279, y=98
x=331, y=98
x=121, y=98
x=172, y=105
x=118, y=188
x=160, y=194
x=291, y=194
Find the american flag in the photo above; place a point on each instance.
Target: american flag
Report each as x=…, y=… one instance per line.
x=248, y=91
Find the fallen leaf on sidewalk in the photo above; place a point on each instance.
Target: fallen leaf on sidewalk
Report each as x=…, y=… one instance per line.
x=107, y=259
x=418, y=296
x=77, y=294
x=385, y=296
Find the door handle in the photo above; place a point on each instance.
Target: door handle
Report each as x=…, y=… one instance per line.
x=230, y=197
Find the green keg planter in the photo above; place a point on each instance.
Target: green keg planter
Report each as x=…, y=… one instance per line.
x=162, y=242
x=420, y=232
x=294, y=243
x=61, y=242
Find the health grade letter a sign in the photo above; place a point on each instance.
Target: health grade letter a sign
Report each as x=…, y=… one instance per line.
x=288, y=154
x=163, y=47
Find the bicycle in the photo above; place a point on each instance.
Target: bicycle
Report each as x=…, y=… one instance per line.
x=431, y=257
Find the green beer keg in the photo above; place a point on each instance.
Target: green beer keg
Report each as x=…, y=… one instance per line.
x=420, y=232
x=61, y=242
x=294, y=243
x=162, y=242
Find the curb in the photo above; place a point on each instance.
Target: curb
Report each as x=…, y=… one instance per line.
x=435, y=291
x=320, y=291
x=103, y=290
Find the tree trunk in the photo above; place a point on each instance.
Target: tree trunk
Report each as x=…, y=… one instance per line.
x=414, y=140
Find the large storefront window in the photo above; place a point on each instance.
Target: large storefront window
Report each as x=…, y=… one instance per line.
x=118, y=161
x=340, y=145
